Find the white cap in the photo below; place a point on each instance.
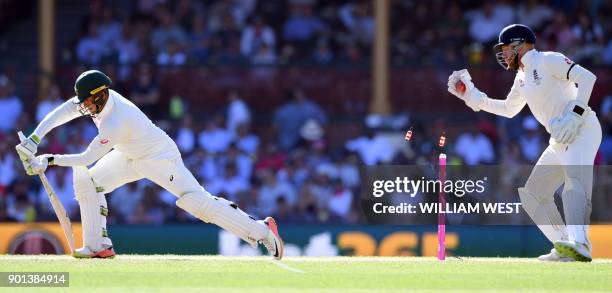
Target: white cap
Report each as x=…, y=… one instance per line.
x=311, y=130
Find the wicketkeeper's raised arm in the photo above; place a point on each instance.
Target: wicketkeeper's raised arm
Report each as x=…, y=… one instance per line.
x=60, y=115
x=98, y=147
x=477, y=100
x=512, y=105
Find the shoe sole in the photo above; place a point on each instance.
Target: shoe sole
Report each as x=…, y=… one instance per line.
x=100, y=254
x=83, y=257
x=566, y=259
x=571, y=252
x=272, y=225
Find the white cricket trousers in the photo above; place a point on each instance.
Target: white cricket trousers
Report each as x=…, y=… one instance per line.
x=571, y=165
x=116, y=169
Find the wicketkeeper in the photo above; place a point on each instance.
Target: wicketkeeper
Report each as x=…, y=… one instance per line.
x=130, y=147
x=557, y=91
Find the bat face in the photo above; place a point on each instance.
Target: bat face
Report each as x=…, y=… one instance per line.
x=60, y=212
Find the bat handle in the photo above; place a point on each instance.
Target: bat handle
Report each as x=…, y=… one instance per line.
x=22, y=137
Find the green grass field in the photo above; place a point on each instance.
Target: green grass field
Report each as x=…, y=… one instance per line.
x=216, y=273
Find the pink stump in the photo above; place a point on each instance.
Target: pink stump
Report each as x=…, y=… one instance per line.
x=442, y=204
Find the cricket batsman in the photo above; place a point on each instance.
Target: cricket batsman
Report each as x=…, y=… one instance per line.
x=557, y=91
x=130, y=147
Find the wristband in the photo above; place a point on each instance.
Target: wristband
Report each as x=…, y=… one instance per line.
x=35, y=138
x=578, y=110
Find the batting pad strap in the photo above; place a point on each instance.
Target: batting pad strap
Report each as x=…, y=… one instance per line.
x=223, y=213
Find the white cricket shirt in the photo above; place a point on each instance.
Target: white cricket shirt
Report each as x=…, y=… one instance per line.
x=121, y=125
x=546, y=83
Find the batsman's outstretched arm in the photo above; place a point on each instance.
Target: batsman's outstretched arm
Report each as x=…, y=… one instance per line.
x=37, y=165
x=98, y=147
x=60, y=115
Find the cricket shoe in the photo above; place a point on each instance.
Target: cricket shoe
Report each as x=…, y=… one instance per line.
x=576, y=251
x=272, y=242
x=86, y=252
x=554, y=256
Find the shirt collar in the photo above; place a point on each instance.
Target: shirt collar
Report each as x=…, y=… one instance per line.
x=108, y=107
x=528, y=57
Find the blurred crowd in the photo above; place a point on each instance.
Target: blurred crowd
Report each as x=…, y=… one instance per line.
x=294, y=174
x=425, y=33
x=289, y=168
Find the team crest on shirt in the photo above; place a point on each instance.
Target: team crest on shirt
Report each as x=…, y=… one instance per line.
x=104, y=141
x=536, y=77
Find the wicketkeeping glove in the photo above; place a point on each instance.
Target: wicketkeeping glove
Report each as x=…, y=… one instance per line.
x=471, y=96
x=566, y=127
x=464, y=76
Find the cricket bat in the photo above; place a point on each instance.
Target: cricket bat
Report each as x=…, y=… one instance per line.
x=57, y=205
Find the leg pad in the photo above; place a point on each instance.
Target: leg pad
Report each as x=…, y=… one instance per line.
x=224, y=213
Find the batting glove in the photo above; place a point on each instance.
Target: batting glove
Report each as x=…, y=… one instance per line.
x=27, y=148
x=39, y=164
